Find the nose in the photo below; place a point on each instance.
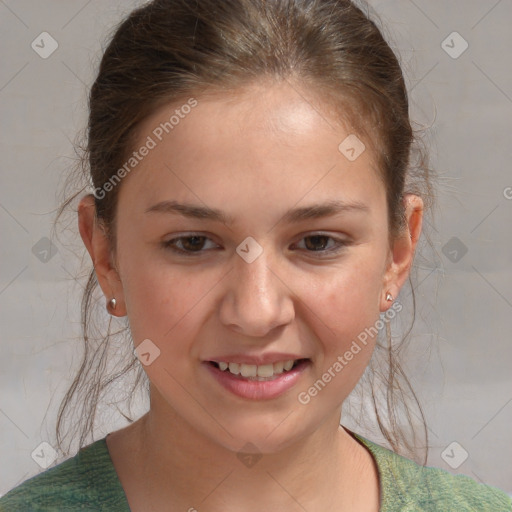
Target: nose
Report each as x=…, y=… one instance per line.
x=257, y=299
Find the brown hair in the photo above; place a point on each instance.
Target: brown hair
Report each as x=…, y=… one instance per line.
x=170, y=50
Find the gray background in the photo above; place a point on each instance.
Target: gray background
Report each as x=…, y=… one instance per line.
x=461, y=349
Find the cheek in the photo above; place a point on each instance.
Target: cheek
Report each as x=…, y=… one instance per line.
x=157, y=294
x=349, y=296
x=346, y=308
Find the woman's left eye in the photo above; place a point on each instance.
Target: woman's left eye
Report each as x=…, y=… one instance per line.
x=192, y=245
x=321, y=241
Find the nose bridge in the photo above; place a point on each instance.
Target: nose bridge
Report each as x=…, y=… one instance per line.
x=255, y=283
x=255, y=279
x=256, y=298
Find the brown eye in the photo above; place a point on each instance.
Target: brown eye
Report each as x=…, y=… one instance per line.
x=319, y=243
x=193, y=243
x=187, y=245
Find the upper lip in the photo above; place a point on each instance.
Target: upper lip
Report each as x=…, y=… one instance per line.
x=260, y=360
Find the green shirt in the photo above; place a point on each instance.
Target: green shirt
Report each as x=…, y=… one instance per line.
x=88, y=482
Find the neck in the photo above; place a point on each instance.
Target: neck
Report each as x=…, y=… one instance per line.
x=181, y=466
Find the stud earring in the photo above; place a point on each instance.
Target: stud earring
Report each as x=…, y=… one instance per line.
x=112, y=303
x=389, y=297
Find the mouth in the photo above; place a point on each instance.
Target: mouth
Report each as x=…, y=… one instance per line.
x=258, y=381
x=265, y=372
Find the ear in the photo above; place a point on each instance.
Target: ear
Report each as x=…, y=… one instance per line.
x=402, y=252
x=96, y=241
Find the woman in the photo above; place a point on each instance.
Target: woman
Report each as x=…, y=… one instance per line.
x=252, y=215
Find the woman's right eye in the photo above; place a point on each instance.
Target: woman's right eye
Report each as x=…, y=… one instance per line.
x=190, y=245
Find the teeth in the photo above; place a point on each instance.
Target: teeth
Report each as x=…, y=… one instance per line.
x=252, y=370
x=278, y=367
x=234, y=368
x=288, y=365
x=248, y=370
x=266, y=370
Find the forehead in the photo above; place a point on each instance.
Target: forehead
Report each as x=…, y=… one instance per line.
x=262, y=142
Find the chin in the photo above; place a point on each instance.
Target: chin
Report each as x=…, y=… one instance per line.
x=266, y=436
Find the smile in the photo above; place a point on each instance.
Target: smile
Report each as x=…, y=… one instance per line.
x=257, y=372
x=258, y=382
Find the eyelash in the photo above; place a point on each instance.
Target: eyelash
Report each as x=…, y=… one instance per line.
x=170, y=244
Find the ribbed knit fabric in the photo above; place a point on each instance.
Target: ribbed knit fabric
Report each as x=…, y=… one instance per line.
x=409, y=487
x=88, y=482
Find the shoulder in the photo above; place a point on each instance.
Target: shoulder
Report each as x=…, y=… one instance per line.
x=407, y=486
x=86, y=482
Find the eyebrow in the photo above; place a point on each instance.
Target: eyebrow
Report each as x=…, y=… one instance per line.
x=315, y=211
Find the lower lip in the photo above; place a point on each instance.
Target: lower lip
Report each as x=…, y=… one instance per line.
x=258, y=389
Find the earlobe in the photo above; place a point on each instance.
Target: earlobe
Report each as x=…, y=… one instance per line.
x=96, y=241
x=403, y=250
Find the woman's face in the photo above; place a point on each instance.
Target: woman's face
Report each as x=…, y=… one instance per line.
x=264, y=277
